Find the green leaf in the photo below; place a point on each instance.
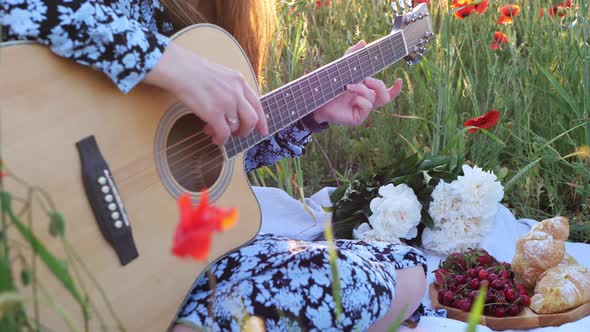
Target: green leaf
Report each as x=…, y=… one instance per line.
x=520, y=174
x=52, y=263
x=57, y=224
x=476, y=310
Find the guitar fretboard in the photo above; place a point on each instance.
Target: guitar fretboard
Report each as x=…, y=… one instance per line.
x=288, y=104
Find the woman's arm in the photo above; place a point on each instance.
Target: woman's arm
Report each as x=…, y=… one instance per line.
x=104, y=38
x=88, y=32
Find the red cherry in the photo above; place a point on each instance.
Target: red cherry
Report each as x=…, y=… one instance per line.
x=483, y=275
x=464, y=305
x=497, y=284
x=514, y=310
x=479, y=268
x=492, y=276
x=500, y=312
x=448, y=297
x=511, y=295
x=461, y=279
x=472, y=272
x=525, y=300
x=504, y=274
x=474, y=284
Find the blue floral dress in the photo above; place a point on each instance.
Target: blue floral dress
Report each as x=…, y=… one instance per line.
x=286, y=282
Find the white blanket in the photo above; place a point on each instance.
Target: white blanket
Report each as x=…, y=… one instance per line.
x=284, y=215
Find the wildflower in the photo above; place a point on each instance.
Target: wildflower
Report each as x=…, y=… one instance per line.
x=197, y=224
x=415, y=2
x=467, y=7
x=499, y=39
x=485, y=121
x=508, y=12
x=559, y=10
x=320, y=3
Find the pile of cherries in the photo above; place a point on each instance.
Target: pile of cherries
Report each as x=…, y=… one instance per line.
x=461, y=275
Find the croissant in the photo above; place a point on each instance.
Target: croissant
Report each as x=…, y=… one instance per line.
x=542, y=248
x=561, y=288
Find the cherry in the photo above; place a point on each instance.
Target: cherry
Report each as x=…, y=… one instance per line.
x=497, y=284
x=514, y=310
x=500, y=312
x=464, y=305
x=483, y=275
x=504, y=274
x=525, y=300
x=484, y=283
x=461, y=279
x=448, y=297
x=492, y=276
x=472, y=272
x=474, y=284
x=511, y=295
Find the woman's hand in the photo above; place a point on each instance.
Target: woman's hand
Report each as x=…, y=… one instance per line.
x=354, y=106
x=217, y=95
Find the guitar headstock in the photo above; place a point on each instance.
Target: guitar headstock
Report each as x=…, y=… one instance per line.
x=416, y=25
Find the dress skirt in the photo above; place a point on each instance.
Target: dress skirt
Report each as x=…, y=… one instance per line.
x=288, y=284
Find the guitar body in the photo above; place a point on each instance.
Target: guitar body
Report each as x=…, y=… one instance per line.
x=48, y=104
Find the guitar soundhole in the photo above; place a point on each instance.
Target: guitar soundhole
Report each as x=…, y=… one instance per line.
x=194, y=161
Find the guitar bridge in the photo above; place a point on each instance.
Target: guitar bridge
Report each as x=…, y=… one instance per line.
x=103, y=196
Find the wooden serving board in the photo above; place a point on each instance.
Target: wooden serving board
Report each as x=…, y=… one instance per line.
x=527, y=319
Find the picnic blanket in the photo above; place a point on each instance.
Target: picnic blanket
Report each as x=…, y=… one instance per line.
x=281, y=214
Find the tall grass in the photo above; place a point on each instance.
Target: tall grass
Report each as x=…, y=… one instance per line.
x=540, y=83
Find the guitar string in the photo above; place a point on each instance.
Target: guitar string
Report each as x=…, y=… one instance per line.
x=305, y=97
x=214, y=162
x=385, y=61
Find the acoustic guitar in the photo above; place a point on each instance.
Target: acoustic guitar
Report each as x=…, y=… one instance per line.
x=115, y=164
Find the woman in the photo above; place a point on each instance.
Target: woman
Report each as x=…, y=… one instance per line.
x=283, y=281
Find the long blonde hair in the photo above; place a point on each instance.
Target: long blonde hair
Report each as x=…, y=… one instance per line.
x=251, y=22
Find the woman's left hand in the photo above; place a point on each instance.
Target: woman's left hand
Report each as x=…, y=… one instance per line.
x=354, y=106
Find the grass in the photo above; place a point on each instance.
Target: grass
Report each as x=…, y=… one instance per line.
x=539, y=81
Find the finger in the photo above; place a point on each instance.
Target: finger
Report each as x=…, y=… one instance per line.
x=233, y=121
x=261, y=124
x=208, y=130
x=356, y=47
x=362, y=90
x=361, y=109
x=381, y=91
x=248, y=119
x=396, y=89
x=221, y=131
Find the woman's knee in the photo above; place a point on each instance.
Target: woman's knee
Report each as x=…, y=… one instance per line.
x=409, y=290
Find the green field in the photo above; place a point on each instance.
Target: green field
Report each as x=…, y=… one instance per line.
x=539, y=82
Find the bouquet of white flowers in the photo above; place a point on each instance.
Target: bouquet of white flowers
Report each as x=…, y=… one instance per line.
x=425, y=201
x=463, y=211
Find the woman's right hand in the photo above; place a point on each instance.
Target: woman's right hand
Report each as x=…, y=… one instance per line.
x=217, y=95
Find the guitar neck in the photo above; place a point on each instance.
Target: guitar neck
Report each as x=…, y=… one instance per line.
x=289, y=103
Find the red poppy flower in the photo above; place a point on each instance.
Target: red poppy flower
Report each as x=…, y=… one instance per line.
x=467, y=7
x=485, y=121
x=559, y=10
x=197, y=224
x=499, y=39
x=508, y=12
x=320, y=3
x=481, y=7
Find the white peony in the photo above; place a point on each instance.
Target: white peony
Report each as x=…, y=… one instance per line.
x=446, y=204
x=479, y=191
x=456, y=235
x=396, y=214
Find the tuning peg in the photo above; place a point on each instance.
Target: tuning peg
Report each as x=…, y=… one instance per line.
x=402, y=6
x=395, y=8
